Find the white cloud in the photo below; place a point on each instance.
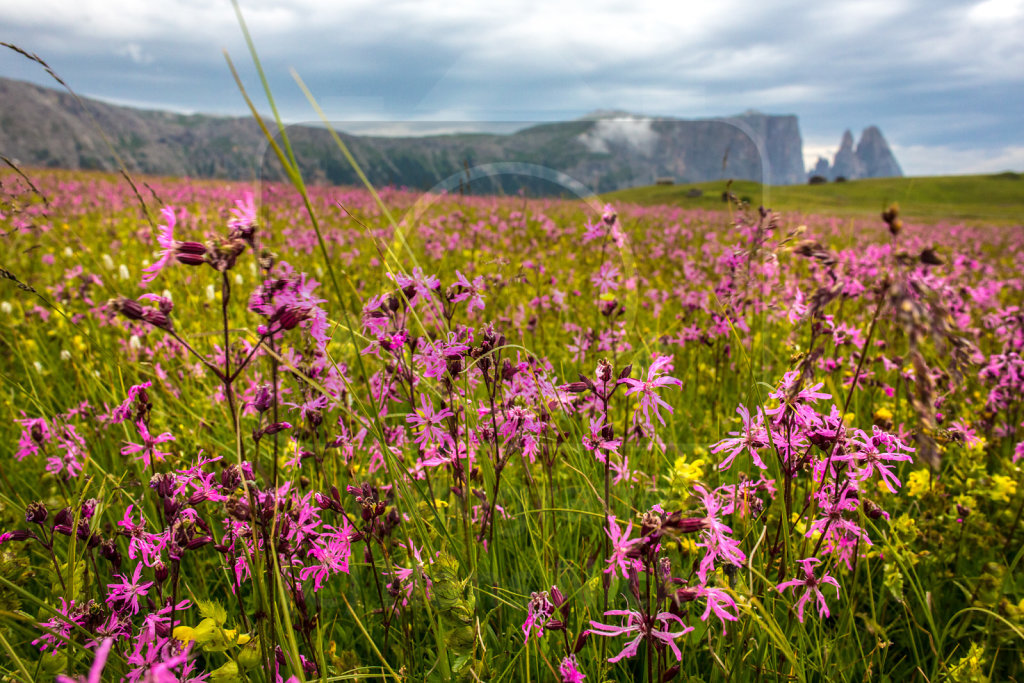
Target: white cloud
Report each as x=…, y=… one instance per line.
x=815, y=149
x=943, y=160
x=134, y=52
x=636, y=133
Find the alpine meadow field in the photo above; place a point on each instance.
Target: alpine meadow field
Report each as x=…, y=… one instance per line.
x=269, y=433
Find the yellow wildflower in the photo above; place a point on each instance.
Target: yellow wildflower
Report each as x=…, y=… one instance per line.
x=1001, y=488
x=918, y=483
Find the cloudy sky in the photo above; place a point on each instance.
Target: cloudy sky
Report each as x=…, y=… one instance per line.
x=943, y=80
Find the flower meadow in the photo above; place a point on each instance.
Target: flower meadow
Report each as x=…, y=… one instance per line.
x=268, y=434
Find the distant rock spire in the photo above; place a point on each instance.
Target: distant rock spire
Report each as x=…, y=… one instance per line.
x=875, y=156
x=847, y=164
x=871, y=158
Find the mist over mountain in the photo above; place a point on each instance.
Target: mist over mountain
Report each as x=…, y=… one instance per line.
x=603, y=151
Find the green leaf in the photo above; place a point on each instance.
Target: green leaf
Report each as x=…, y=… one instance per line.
x=212, y=609
x=225, y=674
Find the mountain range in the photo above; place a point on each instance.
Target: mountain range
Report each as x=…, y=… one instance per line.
x=605, y=151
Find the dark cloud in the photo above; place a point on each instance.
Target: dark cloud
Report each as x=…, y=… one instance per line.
x=941, y=75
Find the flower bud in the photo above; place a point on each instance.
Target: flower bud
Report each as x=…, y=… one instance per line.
x=129, y=308
x=288, y=317
x=89, y=507
x=156, y=318
x=109, y=552
x=275, y=427
x=198, y=542
x=264, y=399
x=686, y=525
x=163, y=484
x=17, y=535
x=581, y=641
x=63, y=517
x=557, y=596
x=36, y=513
x=249, y=657
x=190, y=253
x=873, y=511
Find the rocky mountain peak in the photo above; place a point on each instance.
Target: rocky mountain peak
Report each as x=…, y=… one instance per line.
x=871, y=158
x=874, y=153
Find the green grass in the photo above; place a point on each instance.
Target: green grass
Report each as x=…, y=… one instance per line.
x=990, y=199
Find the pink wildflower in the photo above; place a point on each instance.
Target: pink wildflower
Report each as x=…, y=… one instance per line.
x=148, y=445
x=621, y=546
x=645, y=627
x=811, y=588
x=165, y=238
x=96, y=670
x=127, y=593
x=429, y=423
x=244, y=213
x=569, y=670
x=646, y=390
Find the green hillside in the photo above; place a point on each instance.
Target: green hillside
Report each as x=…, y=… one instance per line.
x=978, y=198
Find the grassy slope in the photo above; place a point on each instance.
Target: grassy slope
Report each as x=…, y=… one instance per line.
x=991, y=198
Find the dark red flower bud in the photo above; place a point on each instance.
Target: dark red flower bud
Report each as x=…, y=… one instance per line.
x=264, y=399
x=230, y=478
x=275, y=427
x=163, y=484
x=686, y=525
x=129, y=308
x=109, y=552
x=874, y=512
x=190, y=253
x=36, y=513
x=288, y=317
x=63, y=517
x=156, y=318
x=171, y=507
x=575, y=387
x=198, y=542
